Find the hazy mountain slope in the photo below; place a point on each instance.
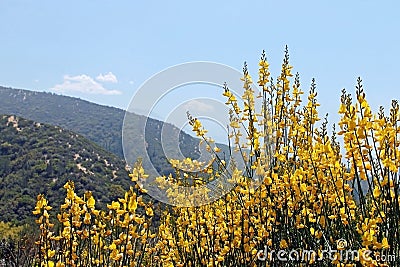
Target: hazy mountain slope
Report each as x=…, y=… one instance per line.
x=101, y=124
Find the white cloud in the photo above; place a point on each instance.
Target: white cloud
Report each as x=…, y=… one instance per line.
x=83, y=84
x=198, y=106
x=108, y=77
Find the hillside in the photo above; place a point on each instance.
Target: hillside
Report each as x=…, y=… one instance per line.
x=40, y=158
x=100, y=124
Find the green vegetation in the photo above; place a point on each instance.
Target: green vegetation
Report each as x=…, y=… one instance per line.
x=38, y=158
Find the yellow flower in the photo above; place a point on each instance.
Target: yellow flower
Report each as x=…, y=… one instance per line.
x=376, y=193
x=112, y=246
x=132, y=204
x=283, y=244
x=267, y=180
x=51, y=253
x=114, y=205
x=87, y=218
x=91, y=202
x=385, y=244
x=312, y=231
x=149, y=211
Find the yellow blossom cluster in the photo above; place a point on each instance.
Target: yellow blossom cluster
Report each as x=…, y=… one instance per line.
x=310, y=194
x=87, y=236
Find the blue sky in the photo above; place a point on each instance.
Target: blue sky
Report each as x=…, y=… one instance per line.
x=102, y=51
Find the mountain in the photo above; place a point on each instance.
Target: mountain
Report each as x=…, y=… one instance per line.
x=39, y=158
x=100, y=124
x=43, y=156
x=83, y=117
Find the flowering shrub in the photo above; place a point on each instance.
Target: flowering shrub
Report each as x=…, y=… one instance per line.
x=299, y=189
x=120, y=236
